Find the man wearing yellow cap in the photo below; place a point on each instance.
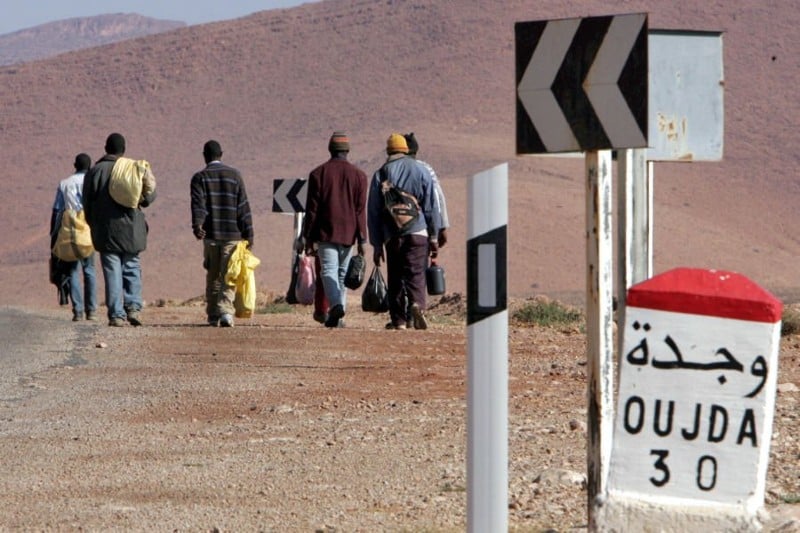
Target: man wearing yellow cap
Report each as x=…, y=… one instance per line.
x=407, y=245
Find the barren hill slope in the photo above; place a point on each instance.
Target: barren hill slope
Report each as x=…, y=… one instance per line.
x=55, y=38
x=272, y=86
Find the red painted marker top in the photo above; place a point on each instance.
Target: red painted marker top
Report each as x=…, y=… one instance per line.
x=698, y=291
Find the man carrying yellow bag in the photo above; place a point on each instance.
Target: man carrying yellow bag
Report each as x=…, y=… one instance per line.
x=221, y=218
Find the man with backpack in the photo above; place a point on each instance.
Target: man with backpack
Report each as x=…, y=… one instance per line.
x=119, y=233
x=403, y=218
x=69, y=196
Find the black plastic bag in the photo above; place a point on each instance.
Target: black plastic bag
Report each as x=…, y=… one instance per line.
x=59, y=276
x=375, y=298
x=291, y=298
x=356, y=268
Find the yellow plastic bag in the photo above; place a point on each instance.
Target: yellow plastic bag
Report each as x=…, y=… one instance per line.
x=74, y=239
x=130, y=181
x=241, y=274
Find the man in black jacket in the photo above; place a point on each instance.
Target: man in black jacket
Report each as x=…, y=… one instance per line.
x=119, y=233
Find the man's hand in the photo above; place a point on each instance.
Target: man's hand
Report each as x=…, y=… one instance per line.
x=249, y=245
x=433, y=248
x=199, y=232
x=442, y=237
x=360, y=249
x=377, y=256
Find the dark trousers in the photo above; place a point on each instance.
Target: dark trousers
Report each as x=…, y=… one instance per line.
x=406, y=260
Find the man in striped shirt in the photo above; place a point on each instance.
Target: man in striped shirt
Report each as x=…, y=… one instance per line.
x=220, y=218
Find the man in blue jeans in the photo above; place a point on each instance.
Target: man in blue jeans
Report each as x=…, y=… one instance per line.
x=119, y=233
x=70, y=196
x=336, y=218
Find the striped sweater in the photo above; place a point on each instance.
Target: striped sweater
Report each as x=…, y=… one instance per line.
x=220, y=205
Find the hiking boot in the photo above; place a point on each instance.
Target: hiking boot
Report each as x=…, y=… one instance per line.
x=335, y=314
x=226, y=321
x=133, y=318
x=213, y=321
x=320, y=316
x=392, y=325
x=419, y=317
x=91, y=315
x=116, y=322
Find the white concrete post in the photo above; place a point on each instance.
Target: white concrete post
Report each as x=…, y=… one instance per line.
x=696, y=402
x=487, y=339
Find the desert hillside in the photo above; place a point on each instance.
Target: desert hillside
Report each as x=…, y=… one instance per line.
x=46, y=40
x=271, y=88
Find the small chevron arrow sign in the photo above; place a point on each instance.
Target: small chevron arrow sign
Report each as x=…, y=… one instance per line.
x=289, y=196
x=581, y=84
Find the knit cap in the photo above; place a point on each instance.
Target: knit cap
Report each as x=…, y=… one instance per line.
x=396, y=144
x=339, y=142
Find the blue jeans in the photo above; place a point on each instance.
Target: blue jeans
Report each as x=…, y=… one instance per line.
x=123, y=275
x=334, y=259
x=86, y=299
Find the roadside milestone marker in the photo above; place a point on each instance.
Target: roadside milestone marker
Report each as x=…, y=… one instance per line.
x=698, y=374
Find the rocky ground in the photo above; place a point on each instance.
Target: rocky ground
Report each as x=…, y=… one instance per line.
x=279, y=424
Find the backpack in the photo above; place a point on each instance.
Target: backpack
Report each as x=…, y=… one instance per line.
x=401, y=207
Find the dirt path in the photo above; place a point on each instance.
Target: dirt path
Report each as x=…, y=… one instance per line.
x=281, y=425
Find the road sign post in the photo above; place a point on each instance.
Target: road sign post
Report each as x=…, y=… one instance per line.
x=599, y=324
x=582, y=86
x=698, y=376
x=289, y=197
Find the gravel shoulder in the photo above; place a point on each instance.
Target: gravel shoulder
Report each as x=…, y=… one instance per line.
x=279, y=424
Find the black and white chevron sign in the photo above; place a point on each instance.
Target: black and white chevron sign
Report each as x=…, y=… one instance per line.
x=581, y=84
x=289, y=196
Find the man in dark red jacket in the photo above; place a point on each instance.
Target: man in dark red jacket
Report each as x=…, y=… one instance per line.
x=335, y=219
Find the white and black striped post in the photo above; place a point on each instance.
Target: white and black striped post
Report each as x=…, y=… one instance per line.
x=487, y=338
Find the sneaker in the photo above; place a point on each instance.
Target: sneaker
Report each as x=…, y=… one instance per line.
x=320, y=317
x=226, y=321
x=77, y=317
x=392, y=325
x=116, y=322
x=91, y=315
x=213, y=321
x=419, y=317
x=335, y=314
x=133, y=318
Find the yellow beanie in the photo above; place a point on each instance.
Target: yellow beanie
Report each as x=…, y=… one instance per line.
x=396, y=143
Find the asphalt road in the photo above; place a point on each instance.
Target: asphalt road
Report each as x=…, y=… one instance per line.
x=31, y=343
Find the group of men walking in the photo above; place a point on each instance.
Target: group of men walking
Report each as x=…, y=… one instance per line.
x=343, y=211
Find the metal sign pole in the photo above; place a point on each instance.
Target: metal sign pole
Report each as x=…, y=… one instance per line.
x=634, y=222
x=487, y=338
x=599, y=325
